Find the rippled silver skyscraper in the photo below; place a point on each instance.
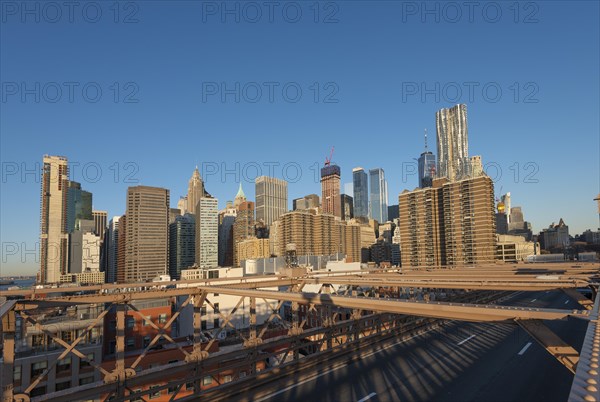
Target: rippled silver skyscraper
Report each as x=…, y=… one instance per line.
x=453, y=143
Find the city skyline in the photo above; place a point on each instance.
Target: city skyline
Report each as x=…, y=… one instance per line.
x=539, y=140
x=300, y=200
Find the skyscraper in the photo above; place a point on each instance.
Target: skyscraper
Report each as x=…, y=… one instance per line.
x=516, y=215
x=182, y=204
x=378, y=196
x=207, y=232
x=147, y=233
x=121, y=250
x=312, y=233
x=475, y=166
x=501, y=223
x=195, y=192
x=451, y=223
x=79, y=205
x=306, y=202
x=111, y=246
x=100, y=218
x=426, y=166
x=469, y=221
x=517, y=226
x=271, y=198
x=505, y=199
x=243, y=227
x=226, y=221
x=239, y=197
x=361, y=192
x=330, y=190
x=452, y=143
x=53, y=222
x=555, y=236
x=346, y=207
x=182, y=244
x=84, y=248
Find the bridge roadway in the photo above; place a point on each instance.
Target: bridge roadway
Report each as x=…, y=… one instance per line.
x=458, y=362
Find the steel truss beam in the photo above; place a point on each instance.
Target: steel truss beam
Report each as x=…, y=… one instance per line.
x=553, y=344
x=383, y=286
x=221, y=361
x=471, y=284
x=455, y=311
x=579, y=298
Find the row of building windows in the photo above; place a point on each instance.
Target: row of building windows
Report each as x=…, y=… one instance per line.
x=206, y=381
x=130, y=321
x=39, y=391
x=41, y=340
x=62, y=366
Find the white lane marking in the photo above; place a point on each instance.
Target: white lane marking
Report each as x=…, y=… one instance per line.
x=339, y=366
x=344, y=364
x=371, y=395
x=524, y=349
x=566, y=301
x=465, y=340
x=533, y=300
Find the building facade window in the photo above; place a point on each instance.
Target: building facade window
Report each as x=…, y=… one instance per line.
x=67, y=336
x=86, y=364
x=154, y=394
x=63, y=365
x=63, y=385
x=38, y=391
x=207, y=380
x=17, y=373
x=37, y=340
x=38, y=368
x=86, y=380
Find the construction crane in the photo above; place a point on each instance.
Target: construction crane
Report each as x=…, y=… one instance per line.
x=497, y=194
x=328, y=160
x=499, y=203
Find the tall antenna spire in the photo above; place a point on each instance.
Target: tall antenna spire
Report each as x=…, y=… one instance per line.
x=425, y=140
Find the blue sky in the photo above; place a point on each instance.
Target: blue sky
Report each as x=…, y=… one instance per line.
x=371, y=76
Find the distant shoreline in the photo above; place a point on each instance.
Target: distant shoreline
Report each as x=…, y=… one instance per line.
x=16, y=278
x=20, y=282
